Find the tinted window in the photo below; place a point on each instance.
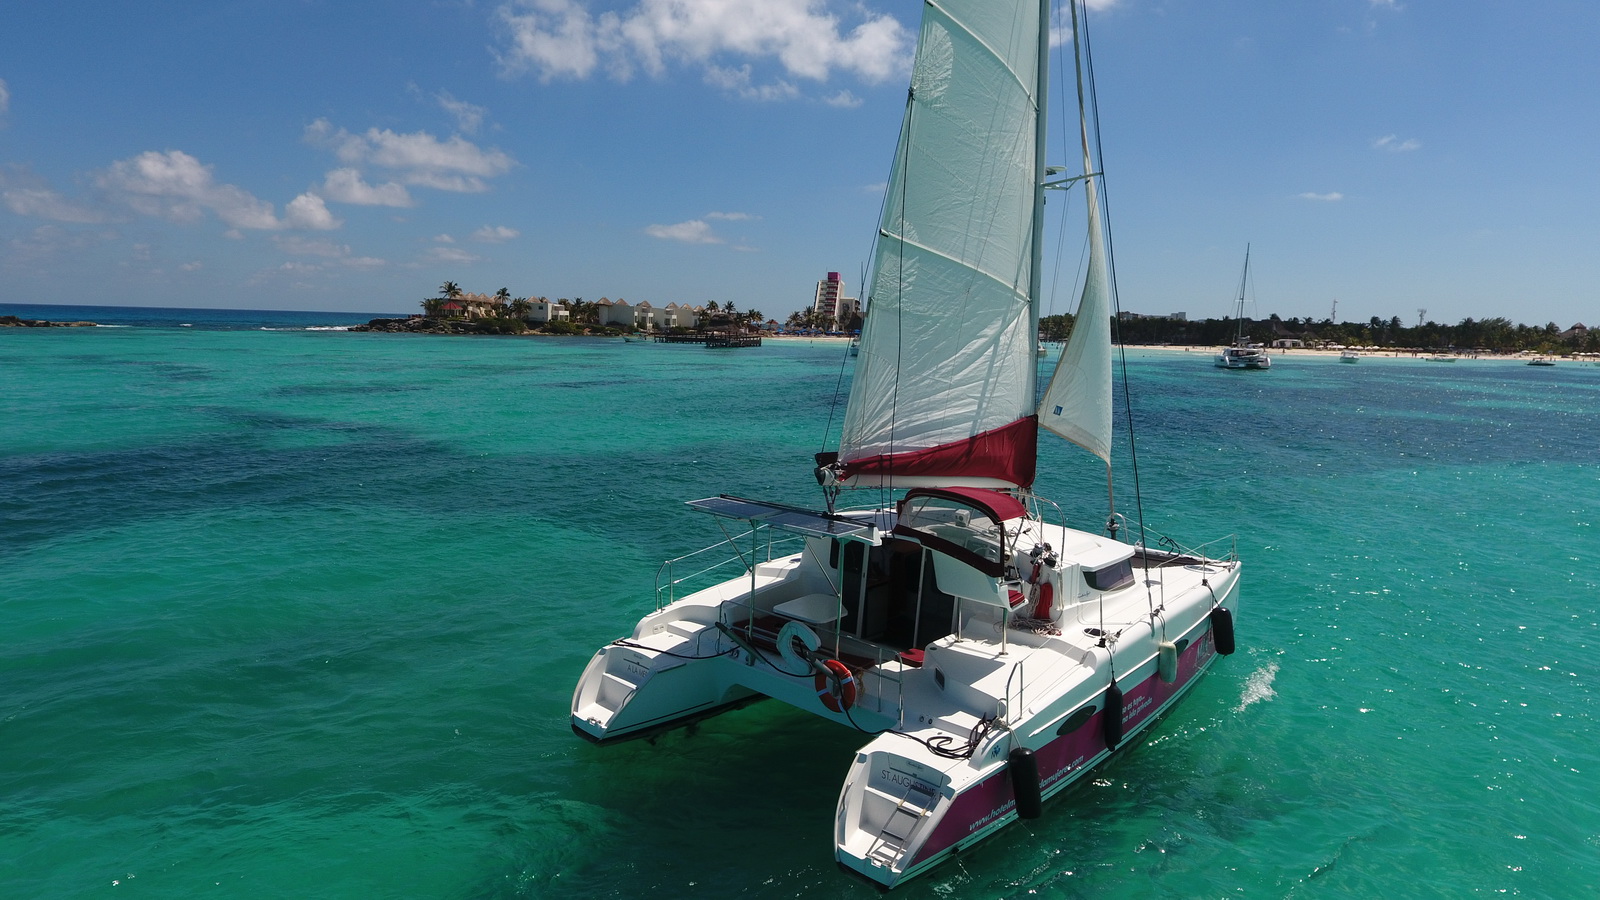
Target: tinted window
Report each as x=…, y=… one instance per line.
x=1116, y=575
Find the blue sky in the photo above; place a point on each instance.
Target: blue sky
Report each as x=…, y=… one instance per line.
x=313, y=154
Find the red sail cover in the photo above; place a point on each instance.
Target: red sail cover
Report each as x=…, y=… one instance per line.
x=1007, y=454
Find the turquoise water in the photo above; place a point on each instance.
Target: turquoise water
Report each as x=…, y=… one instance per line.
x=299, y=613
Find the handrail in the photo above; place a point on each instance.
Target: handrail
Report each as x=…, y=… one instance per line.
x=668, y=568
x=1016, y=670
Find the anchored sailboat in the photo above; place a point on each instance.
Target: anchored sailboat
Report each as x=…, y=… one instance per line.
x=990, y=654
x=1243, y=354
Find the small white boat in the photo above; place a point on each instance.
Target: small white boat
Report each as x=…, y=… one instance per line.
x=1243, y=354
x=1441, y=357
x=989, y=652
x=1349, y=356
x=1541, y=361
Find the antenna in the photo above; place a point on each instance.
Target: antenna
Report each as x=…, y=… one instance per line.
x=1334, y=316
x=1421, y=311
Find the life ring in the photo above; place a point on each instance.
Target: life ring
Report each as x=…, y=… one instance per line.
x=845, y=696
x=787, y=636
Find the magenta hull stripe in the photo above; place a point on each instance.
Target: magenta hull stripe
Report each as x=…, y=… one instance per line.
x=1062, y=759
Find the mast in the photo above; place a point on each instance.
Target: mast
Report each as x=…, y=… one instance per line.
x=1041, y=128
x=1244, y=278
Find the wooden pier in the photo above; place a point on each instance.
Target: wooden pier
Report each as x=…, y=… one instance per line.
x=713, y=340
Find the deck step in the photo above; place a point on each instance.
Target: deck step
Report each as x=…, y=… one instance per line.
x=684, y=628
x=614, y=690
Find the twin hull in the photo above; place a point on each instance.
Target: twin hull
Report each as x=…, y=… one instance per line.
x=985, y=690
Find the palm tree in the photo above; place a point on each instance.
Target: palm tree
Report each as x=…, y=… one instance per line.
x=430, y=307
x=520, y=307
x=449, y=293
x=501, y=298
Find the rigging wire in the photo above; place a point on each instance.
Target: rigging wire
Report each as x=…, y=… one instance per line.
x=1116, y=300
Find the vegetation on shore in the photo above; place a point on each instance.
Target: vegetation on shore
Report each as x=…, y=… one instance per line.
x=452, y=313
x=1497, y=335
x=504, y=314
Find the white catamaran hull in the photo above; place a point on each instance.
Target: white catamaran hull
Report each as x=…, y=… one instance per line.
x=983, y=690
x=1248, y=359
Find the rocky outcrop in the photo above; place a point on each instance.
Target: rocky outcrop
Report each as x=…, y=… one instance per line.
x=425, y=325
x=14, y=322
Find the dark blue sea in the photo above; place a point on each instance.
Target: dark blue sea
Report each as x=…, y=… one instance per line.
x=202, y=319
x=292, y=612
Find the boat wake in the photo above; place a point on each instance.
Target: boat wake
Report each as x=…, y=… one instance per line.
x=1258, y=686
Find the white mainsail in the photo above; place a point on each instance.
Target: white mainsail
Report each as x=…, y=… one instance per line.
x=945, y=381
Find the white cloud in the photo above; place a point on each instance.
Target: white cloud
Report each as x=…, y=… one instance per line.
x=52, y=240
x=738, y=81
x=347, y=186
x=308, y=211
x=1393, y=144
x=468, y=117
x=191, y=266
x=443, y=239
x=450, y=255
x=843, y=100
x=495, y=234
x=44, y=203
x=294, y=245
x=300, y=246
x=563, y=39
x=417, y=158
x=1328, y=197
x=176, y=186
x=5, y=97
x=732, y=216
x=694, y=231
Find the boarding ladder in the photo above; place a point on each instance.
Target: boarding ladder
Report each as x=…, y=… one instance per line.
x=890, y=845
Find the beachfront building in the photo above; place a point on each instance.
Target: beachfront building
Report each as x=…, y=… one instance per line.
x=543, y=311
x=830, y=301
x=677, y=315
x=622, y=314
x=613, y=312
x=476, y=306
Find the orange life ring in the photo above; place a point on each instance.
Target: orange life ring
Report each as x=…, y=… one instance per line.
x=845, y=697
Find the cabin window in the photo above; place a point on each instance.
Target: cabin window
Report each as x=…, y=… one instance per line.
x=1110, y=578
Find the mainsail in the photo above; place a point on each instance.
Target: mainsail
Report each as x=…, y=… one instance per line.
x=945, y=382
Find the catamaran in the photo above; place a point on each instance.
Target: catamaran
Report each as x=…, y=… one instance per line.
x=1243, y=354
x=990, y=652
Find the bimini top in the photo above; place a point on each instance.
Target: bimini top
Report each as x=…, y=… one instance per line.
x=997, y=505
x=965, y=524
